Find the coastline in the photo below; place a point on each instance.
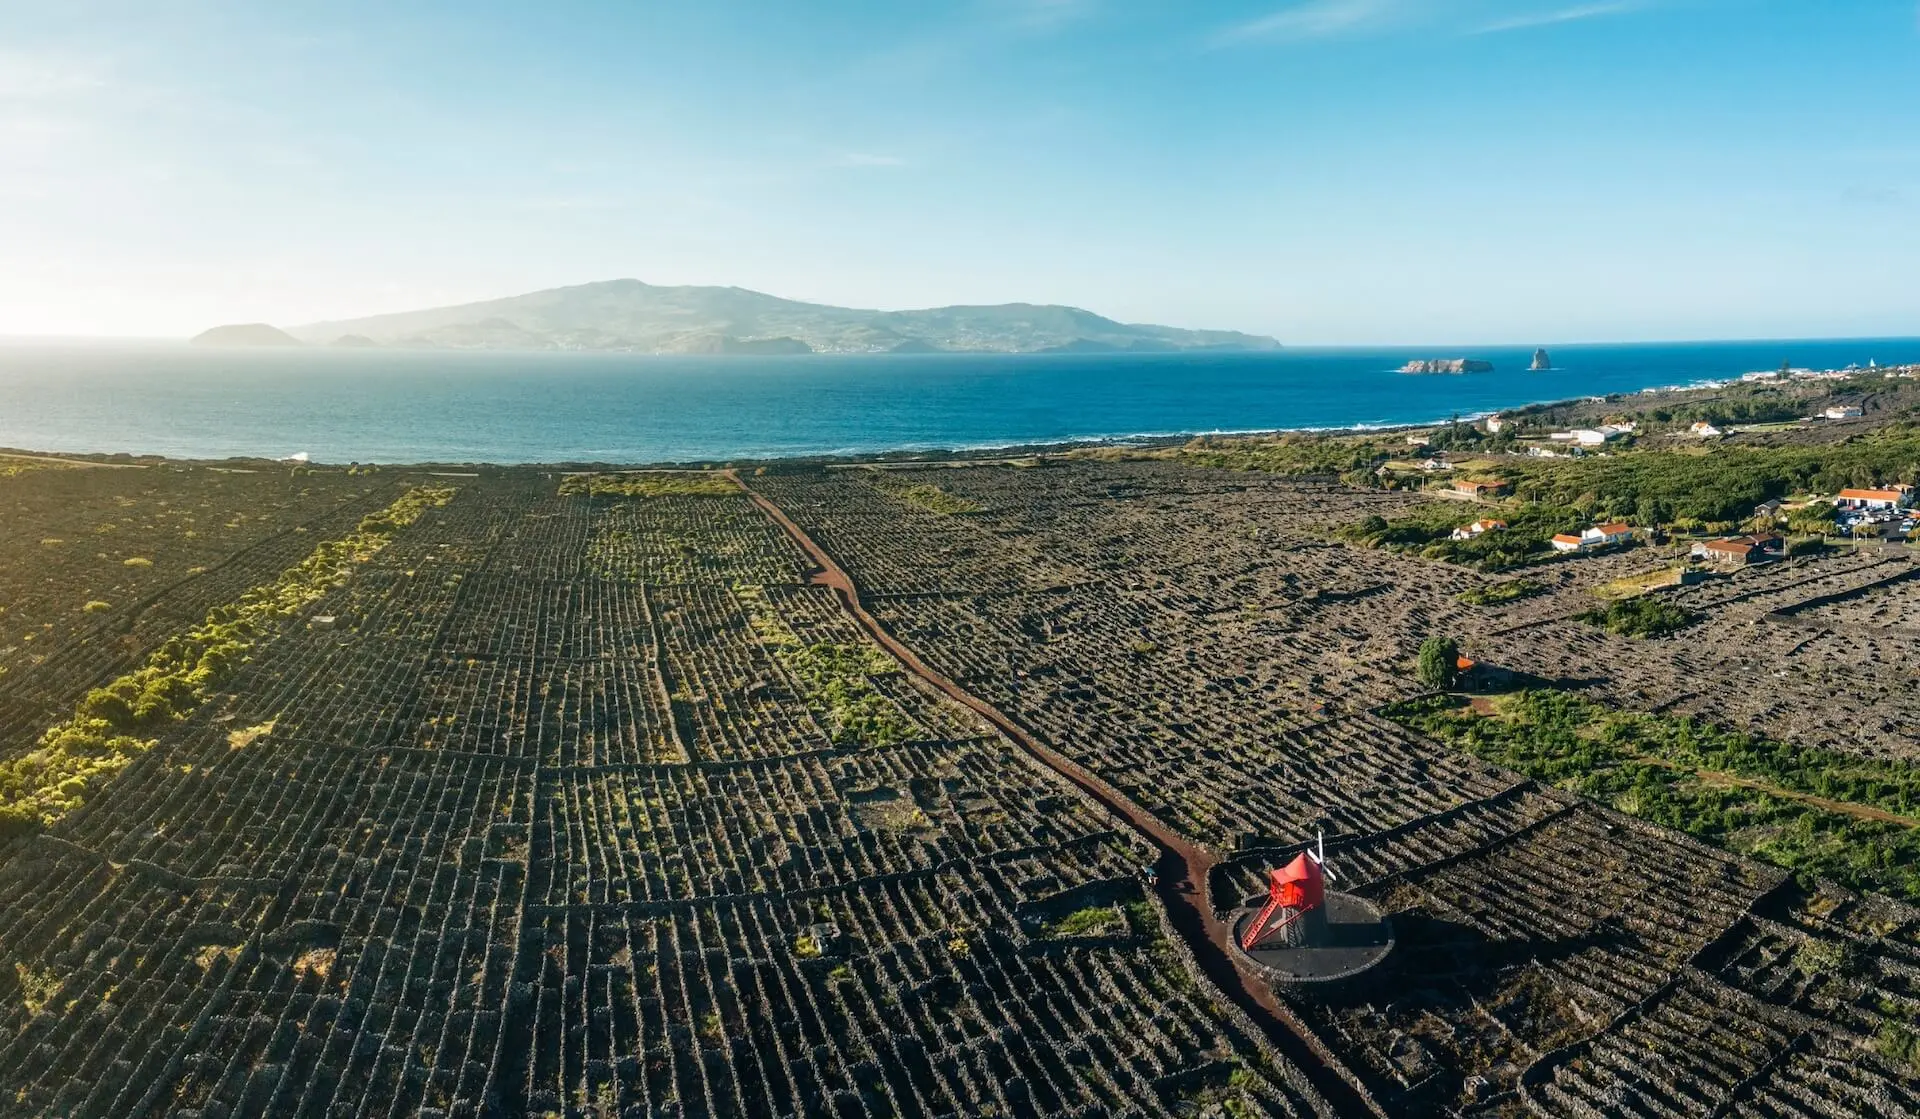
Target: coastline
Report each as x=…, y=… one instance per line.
x=553, y=410
x=929, y=454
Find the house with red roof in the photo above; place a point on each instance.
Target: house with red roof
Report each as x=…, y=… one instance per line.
x=1595, y=536
x=1478, y=528
x=1738, y=551
x=1897, y=497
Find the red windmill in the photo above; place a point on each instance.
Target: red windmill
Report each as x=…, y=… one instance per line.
x=1295, y=914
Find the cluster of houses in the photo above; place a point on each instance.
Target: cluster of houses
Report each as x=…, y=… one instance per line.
x=1830, y=374
x=1858, y=512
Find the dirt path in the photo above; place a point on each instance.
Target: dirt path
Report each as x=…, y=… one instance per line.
x=1182, y=865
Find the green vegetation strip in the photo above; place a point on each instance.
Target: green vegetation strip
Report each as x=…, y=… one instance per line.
x=1426, y=531
x=649, y=485
x=112, y=725
x=1351, y=458
x=833, y=678
x=932, y=499
x=1815, y=812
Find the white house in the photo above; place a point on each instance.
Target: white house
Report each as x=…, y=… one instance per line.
x=1899, y=497
x=1595, y=536
x=1494, y=424
x=1842, y=412
x=1703, y=430
x=1477, y=528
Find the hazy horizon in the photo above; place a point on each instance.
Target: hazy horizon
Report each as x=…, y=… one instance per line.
x=1448, y=343
x=1326, y=172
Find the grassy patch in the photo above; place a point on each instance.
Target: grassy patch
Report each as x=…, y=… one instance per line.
x=1815, y=812
x=932, y=499
x=1629, y=586
x=1093, y=921
x=241, y=739
x=112, y=725
x=689, y=484
x=833, y=678
x=1351, y=457
x=1497, y=594
x=1640, y=616
x=38, y=986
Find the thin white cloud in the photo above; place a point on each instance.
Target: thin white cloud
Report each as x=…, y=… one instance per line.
x=1560, y=15
x=1313, y=19
x=26, y=76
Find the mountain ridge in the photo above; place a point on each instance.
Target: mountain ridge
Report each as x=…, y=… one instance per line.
x=629, y=315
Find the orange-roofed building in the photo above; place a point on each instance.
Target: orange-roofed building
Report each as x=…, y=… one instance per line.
x=1738, y=551
x=1899, y=497
x=1477, y=528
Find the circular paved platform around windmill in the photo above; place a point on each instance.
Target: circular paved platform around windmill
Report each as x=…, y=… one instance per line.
x=1358, y=937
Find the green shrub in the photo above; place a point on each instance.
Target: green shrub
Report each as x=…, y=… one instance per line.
x=1439, y=665
x=1640, y=616
x=1093, y=921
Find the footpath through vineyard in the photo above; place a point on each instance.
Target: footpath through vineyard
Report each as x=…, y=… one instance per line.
x=1182, y=871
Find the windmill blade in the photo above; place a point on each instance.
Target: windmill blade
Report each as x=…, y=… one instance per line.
x=1319, y=856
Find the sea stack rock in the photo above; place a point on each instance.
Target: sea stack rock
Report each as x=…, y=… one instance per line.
x=1540, y=361
x=1447, y=365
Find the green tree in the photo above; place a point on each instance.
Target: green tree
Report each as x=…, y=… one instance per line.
x=1439, y=662
x=1815, y=518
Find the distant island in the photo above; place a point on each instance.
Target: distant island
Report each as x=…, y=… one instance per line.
x=1447, y=365
x=1541, y=361
x=244, y=334
x=635, y=317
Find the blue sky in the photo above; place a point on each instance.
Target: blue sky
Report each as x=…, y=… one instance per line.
x=1326, y=171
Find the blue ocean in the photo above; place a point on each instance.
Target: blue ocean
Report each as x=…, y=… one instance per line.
x=439, y=406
